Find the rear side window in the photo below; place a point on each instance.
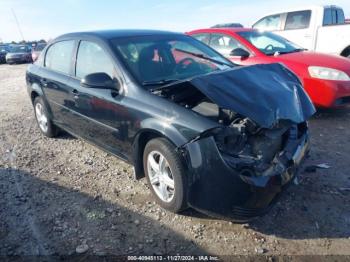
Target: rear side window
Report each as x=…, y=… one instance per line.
x=270, y=23
x=327, y=17
x=298, y=20
x=333, y=16
x=92, y=59
x=202, y=37
x=59, y=56
x=340, y=16
x=224, y=44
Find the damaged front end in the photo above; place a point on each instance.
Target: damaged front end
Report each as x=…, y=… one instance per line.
x=239, y=167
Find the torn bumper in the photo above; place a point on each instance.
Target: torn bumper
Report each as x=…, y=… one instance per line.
x=219, y=190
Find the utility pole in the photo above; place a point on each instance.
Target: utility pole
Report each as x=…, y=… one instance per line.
x=18, y=26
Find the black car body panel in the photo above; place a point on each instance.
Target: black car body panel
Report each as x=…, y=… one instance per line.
x=222, y=182
x=220, y=190
x=265, y=93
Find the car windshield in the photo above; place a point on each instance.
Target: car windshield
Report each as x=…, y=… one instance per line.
x=157, y=60
x=19, y=49
x=4, y=49
x=269, y=43
x=39, y=47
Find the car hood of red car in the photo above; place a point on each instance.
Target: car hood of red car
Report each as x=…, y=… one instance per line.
x=309, y=58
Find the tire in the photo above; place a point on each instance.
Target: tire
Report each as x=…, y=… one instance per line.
x=174, y=169
x=48, y=129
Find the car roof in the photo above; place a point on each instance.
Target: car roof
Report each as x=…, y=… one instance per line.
x=110, y=34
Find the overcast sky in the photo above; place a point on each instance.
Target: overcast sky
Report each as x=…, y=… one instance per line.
x=49, y=18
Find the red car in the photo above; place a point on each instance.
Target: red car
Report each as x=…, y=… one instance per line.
x=37, y=50
x=326, y=78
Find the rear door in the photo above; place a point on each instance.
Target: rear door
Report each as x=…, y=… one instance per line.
x=55, y=77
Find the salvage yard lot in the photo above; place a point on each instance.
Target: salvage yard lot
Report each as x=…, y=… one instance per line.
x=59, y=196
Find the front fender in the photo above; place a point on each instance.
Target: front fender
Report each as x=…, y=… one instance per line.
x=150, y=128
x=168, y=130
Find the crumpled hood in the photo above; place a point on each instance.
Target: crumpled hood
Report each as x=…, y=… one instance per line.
x=265, y=93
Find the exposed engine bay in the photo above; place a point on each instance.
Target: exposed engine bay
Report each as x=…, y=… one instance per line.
x=247, y=147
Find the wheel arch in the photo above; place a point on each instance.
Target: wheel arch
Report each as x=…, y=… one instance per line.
x=143, y=137
x=346, y=51
x=35, y=90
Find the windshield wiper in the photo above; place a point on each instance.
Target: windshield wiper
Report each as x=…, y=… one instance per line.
x=158, y=82
x=204, y=57
x=292, y=51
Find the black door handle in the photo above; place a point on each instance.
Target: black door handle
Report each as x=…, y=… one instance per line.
x=75, y=94
x=44, y=82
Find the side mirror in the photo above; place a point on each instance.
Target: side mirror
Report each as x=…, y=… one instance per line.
x=99, y=80
x=240, y=52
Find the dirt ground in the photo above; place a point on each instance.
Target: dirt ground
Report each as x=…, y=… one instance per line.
x=60, y=196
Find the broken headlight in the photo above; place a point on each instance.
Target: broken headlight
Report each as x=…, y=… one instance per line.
x=233, y=139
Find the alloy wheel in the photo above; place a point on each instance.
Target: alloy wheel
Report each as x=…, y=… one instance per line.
x=160, y=176
x=41, y=117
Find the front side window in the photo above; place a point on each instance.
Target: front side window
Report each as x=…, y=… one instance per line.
x=59, y=56
x=39, y=47
x=298, y=20
x=269, y=43
x=92, y=59
x=224, y=44
x=167, y=57
x=202, y=37
x=269, y=23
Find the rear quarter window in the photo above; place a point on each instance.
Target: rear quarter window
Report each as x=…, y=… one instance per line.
x=298, y=20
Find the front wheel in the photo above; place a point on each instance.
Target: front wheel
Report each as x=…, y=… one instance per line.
x=44, y=122
x=165, y=174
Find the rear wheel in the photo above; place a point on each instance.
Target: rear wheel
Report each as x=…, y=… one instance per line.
x=44, y=122
x=165, y=174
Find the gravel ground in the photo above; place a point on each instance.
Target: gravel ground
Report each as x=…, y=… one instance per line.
x=63, y=196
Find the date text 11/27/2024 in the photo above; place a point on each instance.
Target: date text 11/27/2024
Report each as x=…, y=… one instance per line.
x=173, y=258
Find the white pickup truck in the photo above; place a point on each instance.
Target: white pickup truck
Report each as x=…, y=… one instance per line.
x=318, y=28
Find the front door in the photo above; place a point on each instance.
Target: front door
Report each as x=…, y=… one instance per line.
x=101, y=115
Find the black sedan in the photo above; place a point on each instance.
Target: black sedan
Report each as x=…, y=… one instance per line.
x=223, y=139
x=19, y=54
